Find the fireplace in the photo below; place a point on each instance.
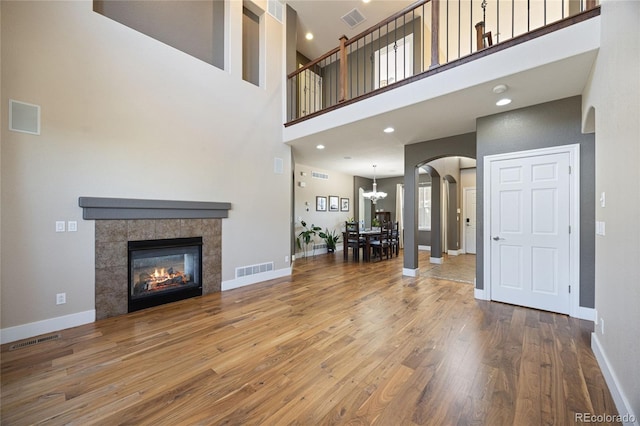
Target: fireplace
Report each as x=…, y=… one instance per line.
x=164, y=271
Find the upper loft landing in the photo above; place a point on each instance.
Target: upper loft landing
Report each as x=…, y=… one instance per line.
x=445, y=55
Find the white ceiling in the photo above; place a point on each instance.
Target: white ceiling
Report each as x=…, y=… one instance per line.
x=352, y=148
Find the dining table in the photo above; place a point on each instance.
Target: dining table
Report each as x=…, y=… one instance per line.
x=368, y=235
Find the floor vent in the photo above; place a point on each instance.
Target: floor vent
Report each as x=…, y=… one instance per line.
x=319, y=175
x=32, y=342
x=244, y=271
x=353, y=18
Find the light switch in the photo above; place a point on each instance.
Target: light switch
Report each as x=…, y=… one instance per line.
x=72, y=226
x=602, y=200
x=60, y=225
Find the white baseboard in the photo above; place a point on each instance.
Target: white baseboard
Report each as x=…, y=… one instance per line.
x=453, y=252
x=312, y=253
x=436, y=260
x=256, y=278
x=480, y=293
x=410, y=272
x=627, y=416
x=588, y=314
x=25, y=331
x=424, y=248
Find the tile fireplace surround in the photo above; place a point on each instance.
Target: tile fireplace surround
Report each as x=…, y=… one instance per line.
x=112, y=236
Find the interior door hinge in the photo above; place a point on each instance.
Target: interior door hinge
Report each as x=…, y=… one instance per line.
x=569, y=289
x=569, y=169
x=569, y=228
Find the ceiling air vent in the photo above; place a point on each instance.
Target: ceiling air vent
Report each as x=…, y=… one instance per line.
x=353, y=18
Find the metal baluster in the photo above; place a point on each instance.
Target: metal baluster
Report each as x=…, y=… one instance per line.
x=446, y=40
x=460, y=27
x=513, y=11
x=498, y=22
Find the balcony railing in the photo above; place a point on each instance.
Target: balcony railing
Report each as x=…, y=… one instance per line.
x=420, y=38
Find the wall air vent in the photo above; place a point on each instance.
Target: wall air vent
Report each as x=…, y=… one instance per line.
x=276, y=9
x=353, y=18
x=318, y=175
x=244, y=271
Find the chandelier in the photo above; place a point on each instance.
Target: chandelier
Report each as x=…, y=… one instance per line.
x=374, y=195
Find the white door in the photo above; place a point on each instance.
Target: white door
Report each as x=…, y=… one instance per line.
x=530, y=235
x=469, y=221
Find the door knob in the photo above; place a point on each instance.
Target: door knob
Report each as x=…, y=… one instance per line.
x=496, y=238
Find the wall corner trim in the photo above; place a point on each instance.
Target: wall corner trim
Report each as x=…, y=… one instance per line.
x=620, y=399
x=25, y=331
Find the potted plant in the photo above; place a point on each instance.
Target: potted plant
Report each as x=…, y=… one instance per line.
x=305, y=236
x=331, y=238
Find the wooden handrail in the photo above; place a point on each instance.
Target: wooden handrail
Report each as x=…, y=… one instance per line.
x=314, y=62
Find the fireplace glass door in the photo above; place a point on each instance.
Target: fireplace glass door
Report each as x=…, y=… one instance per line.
x=161, y=271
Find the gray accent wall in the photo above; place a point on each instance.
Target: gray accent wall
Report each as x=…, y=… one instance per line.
x=541, y=126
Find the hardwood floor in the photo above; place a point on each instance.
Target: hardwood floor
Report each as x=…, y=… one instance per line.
x=335, y=343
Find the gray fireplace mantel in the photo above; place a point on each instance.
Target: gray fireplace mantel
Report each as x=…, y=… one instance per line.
x=96, y=208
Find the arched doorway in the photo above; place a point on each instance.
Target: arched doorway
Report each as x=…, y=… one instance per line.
x=417, y=156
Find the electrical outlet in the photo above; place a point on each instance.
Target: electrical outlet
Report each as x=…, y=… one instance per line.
x=601, y=325
x=286, y=259
x=72, y=226
x=61, y=298
x=60, y=226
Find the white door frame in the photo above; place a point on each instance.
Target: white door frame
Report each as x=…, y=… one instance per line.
x=464, y=215
x=574, y=219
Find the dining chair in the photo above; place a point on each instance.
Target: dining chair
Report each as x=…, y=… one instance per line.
x=381, y=245
x=353, y=239
x=394, y=240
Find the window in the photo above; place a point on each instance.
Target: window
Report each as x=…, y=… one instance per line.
x=394, y=62
x=424, y=207
x=250, y=47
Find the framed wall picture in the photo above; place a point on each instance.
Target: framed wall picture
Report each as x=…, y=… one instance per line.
x=334, y=204
x=344, y=204
x=321, y=204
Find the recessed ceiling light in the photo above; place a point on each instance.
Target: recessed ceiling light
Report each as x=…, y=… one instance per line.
x=320, y=146
x=308, y=36
x=503, y=102
x=389, y=130
x=366, y=1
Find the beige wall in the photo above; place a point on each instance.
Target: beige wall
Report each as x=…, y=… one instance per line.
x=338, y=184
x=126, y=116
x=614, y=92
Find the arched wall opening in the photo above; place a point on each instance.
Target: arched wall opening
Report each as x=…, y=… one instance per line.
x=417, y=157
